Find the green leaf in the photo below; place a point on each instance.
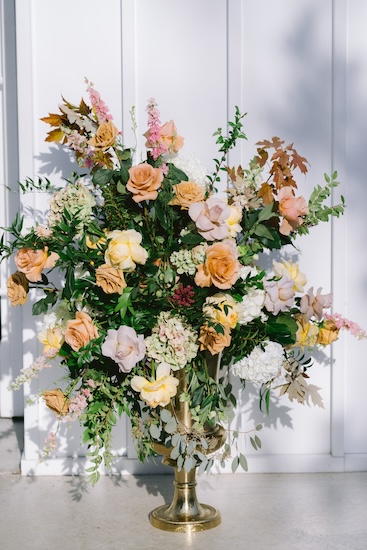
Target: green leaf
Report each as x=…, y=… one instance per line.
x=235, y=464
x=155, y=431
x=243, y=462
x=165, y=415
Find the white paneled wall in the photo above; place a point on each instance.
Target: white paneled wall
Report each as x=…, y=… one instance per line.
x=298, y=69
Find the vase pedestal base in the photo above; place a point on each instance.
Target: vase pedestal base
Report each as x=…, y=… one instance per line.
x=206, y=518
x=185, y=514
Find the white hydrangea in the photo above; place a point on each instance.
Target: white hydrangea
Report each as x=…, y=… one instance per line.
x=251, y=305
x=76, y=199
x=262, y=365
x=172, y=341
x=192, y=167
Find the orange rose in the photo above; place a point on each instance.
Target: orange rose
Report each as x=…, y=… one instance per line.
x=328, y=333
x=80, y=331
x=111, y=280
x=32, y=262
x=168, y=136
x=221, y=267
x=105, y=136
x=186, y=193
x=144, y=182
x=212, y=340
x=56, y=401
x=18, y=287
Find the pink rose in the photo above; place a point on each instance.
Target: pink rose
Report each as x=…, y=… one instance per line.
x=313, y=305
x=279, y=295
x=292, y=208
x=125, y=347
x=210, y=218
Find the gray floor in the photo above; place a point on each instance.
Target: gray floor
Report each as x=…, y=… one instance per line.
x=270, y=511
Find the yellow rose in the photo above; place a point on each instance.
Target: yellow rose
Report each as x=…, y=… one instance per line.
x=52, y=340
x=186, y=193
x=56, y=401
x=212, y=340
x=80, y=331
x=18, y=287
x=159, y=391
x=328, y=333
x=124, y=250
x=233, y=221
x=93, y=244
x=105, y=136
x=222, y=308
x=291, y=270
x=306, y=335
x=111, y=280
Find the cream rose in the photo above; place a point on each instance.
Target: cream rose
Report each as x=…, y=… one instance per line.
x=159, y=391
x=80, y=331
x=144, y=182
x=105, y=136
x=32, y=262
x=124, y=250
x=111, y=280
x=186, y=193
x=212, y=340
x=18, y=287
x=221, y=267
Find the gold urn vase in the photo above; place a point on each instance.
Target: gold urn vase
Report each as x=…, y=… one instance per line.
x=185, y=513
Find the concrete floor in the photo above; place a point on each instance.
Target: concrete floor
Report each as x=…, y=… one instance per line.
x=259, y=511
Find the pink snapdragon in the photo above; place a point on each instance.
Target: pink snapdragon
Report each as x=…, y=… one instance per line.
x=153, y=135
x=49, y=446
x=77, y=405
x=343, y=323
x=99, y=107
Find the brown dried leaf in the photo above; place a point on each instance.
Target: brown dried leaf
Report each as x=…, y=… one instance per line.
x=53, y=119
x=56, y=136
x=266, y=193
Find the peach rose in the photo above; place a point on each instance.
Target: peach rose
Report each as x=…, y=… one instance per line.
x=292, y=208
x=144, y=182
x=105, y=136
x=32, y=262
x=111, y=280
x=56, y=401
x=186, y=193
x=80, y=331
x=328, y=333
x=221, y=267
x=18, y=287
x=212, y=340
x=168, y=136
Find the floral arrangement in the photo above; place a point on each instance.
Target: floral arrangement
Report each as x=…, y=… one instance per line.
x=162, y=279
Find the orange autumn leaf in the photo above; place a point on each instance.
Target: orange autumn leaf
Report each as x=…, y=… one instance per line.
x=266, y=193
x=56, y=136
x=299, y=162
x=53, y=119
x=275, y=142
